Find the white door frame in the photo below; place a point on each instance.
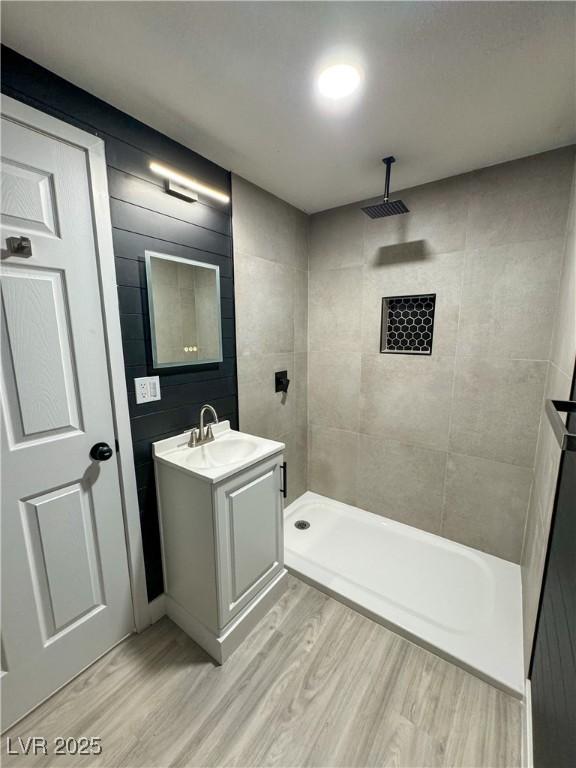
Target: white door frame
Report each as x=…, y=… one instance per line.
x=96, y=162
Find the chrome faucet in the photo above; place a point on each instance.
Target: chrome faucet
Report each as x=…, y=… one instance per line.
x=199, y=436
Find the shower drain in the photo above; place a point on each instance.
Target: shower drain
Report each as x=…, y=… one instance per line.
x=302, y=525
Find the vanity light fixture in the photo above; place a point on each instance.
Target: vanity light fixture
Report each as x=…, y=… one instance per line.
x=185, y=187
x=177, y=190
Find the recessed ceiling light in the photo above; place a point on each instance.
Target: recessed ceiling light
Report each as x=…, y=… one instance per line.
x=339, y=81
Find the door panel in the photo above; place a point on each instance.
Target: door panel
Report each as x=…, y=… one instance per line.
x=553, y=668
x=62, y=554
x=249, y=535
x=38, y=355
x=65, y=585
x=28, y=199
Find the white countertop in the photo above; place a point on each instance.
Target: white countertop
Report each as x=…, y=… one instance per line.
x=176, y=452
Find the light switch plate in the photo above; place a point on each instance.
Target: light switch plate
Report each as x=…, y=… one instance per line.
x=147, y=389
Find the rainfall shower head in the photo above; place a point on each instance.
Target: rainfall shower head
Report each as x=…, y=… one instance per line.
x=386, y=207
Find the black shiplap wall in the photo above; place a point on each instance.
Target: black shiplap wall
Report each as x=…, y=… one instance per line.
x=144, y=218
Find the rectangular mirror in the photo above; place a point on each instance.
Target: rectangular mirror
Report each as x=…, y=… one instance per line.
x=184, y=306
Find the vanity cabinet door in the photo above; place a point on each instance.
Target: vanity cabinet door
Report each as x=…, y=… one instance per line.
x=249, y=535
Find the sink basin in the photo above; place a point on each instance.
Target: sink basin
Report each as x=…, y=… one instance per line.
x=229, y=450
x=229, y=453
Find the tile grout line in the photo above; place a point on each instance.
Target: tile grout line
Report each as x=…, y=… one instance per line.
x=453, y=388
x=356, y=457
x=551, y=364
x=308, y=251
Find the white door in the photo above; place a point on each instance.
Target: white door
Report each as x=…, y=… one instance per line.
x=249, y=511
x=65, y=583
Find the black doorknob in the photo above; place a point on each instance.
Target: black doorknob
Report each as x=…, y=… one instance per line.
x=101, y=452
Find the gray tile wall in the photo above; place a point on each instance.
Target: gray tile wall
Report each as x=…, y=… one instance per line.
x=446, y=443
x=559, y=374
x=270, y=241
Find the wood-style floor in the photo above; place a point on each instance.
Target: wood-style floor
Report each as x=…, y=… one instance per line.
x=315, y=684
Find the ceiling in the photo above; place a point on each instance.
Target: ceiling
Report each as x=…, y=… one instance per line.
x=449, y=87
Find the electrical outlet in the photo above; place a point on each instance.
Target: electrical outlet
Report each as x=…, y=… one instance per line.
x=147, y=389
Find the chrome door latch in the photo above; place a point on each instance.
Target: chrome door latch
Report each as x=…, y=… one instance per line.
x=19, y=246
x=566, y=439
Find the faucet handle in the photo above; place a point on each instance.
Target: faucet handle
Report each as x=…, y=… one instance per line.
x=209, y=434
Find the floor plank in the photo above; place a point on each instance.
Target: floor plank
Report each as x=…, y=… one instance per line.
x=315, y=684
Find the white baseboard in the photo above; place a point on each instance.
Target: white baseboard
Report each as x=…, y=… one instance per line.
x=527, y=744
x=157, y=608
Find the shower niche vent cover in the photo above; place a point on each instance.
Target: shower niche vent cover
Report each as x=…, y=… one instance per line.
x=407, y=324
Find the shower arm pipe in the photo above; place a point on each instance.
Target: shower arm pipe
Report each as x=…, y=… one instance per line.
x=388, y=163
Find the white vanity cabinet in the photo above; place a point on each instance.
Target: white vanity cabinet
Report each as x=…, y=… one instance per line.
x=222, y=535
x=248, y=509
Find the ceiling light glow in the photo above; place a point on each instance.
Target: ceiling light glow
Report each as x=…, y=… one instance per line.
x=186, y=181
x=339, y=81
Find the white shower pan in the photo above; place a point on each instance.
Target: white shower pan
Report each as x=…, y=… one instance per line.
x=458, y=602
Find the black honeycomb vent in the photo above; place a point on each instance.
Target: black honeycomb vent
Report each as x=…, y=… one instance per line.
x=408, y=324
